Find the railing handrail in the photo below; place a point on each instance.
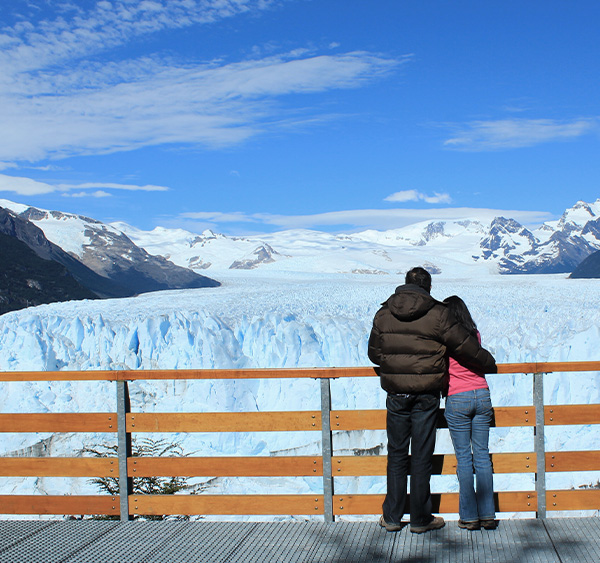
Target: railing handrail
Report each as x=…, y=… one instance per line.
x=265, y=373
x=124, y=423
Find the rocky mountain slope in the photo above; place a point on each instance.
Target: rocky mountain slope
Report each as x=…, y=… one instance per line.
x=34, y=238
x=109, y=252
x=555, y=247
x=589, y=268
x=26, y=280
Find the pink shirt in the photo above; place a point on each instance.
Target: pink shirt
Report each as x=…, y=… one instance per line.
x=463, y=379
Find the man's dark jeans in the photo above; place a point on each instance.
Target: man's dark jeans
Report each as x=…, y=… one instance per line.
x=410, y=417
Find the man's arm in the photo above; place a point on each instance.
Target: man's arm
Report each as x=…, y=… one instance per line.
x=466, y=348
x=374, y=346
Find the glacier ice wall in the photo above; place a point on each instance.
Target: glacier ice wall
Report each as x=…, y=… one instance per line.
x=285, y=321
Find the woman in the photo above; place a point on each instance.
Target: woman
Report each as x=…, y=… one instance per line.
x=469, y=415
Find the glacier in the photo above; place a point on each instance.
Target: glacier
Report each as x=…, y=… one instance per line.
x=268, y=319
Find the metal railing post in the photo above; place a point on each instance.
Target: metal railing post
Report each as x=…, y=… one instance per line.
x=539, y=444
x=326, y=450
x=124, y=448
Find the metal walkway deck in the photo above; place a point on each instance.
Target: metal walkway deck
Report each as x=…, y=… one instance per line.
x=554, y=540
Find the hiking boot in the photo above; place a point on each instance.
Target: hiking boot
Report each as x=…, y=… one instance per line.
x=489, y=524
x=473, y=525
x=435, y=524
x=390, y=527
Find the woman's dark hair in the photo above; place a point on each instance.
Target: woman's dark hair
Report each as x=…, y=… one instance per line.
x=458, y=308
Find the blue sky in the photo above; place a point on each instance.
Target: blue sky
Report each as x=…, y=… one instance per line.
x=250, y=116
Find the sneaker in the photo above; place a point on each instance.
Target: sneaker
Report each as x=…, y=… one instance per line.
x=390, y=527
x=489, y=524
x=435, y=524
x=473, y=525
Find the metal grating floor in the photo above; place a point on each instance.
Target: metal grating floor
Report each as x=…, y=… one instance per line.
x=560, y=540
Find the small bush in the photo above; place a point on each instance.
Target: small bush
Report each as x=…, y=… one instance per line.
x=144, y=447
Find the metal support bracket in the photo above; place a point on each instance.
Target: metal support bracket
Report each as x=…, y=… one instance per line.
x=539, y=444
x=124, y=448
x=326, y=450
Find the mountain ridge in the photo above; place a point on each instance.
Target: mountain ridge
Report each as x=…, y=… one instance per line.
x=502, y=246
x=109, y=253
x=451, y=247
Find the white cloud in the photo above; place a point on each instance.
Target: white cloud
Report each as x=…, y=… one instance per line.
x=379, y=219
x=112, y=185
x=437, y=198
x=219, y=217
x=24, y=186
x=517, y=133
x=58, y=100
x=403, y=196
x=27, y=186
x=99, y=193
x=414, y=195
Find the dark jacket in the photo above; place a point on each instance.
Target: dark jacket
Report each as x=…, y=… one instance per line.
x=411, y=335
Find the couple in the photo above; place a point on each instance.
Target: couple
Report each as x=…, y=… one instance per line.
x=416, y=341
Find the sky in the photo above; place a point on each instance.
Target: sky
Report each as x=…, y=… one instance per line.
x=254, y=116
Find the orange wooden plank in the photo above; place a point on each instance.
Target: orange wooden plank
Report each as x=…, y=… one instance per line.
x=256, y=373
x=261, y=466
x=553, y=367
x=226, y=504
x=343, y=466
x=358, y=419
x=549, y=367
x=573, y=461
x=144, y=374
x=444, y=503
x=50, y=504
x=224, y=422
x=376, y=419
x=265, y=373
x=58, y=467
x=99, y=375
x=513, y=416
x=58, y=422
x=579, y=499
x=572, y=414
x=520, y=462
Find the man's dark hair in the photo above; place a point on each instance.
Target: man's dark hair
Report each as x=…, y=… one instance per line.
x=419, y=276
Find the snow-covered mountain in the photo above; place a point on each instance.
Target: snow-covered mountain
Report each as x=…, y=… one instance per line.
x=108, y=252
x=455, y=248
x=555, y=247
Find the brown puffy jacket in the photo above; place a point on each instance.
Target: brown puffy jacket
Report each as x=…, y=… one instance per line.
x=411, y=335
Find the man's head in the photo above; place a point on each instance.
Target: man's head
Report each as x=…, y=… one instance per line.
x=419, y=276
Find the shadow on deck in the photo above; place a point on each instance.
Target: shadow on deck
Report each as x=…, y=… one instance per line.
x=559, y=540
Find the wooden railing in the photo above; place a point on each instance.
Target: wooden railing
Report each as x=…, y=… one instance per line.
x=124, y=424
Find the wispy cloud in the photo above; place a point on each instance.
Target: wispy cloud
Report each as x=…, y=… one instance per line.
x=98, y=193
x=363, y=218
x=414, y=195
x=112, y=185
x=59, y=96
x=27, y=187
x=517, y=133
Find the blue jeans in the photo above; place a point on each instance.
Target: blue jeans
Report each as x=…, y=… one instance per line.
x=469, y=415
x=410, y=419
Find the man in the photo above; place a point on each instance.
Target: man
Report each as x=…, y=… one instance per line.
x=411, y=336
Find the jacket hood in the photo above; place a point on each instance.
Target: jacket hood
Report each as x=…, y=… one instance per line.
x=410, y=302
